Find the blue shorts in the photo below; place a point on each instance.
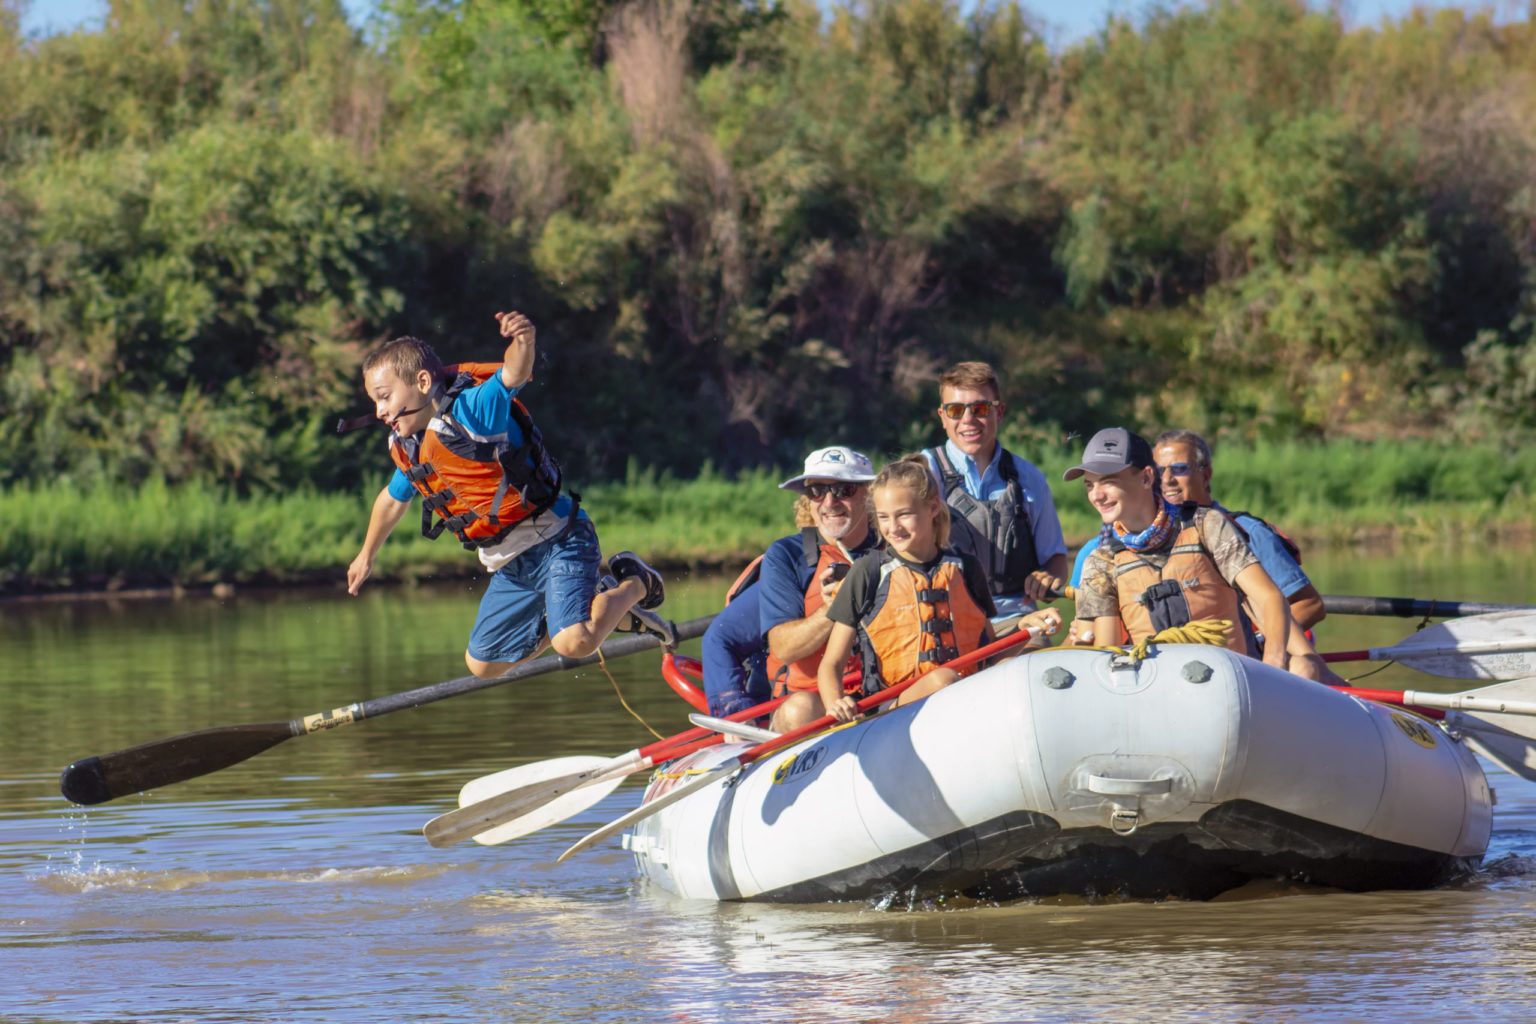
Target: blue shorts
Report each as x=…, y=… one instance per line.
x=536, y=595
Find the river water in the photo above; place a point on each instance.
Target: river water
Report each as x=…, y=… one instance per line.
x=296, y=886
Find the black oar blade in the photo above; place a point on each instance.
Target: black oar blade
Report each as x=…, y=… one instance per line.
x=95, y=780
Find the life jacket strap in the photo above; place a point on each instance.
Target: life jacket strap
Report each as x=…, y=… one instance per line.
x=938, y=654
x=939, y=626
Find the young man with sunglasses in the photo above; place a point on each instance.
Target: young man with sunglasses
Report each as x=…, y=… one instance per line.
x=1183, y=461
x=1163, y=565
x=801, y=574
x=1005, y=516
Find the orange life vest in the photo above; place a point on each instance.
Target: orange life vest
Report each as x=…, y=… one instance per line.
x=918, y=622
x=480, y=487
x=1186, y=589
x=801, y=674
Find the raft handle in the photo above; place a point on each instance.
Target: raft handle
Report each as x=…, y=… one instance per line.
x=1106, y=785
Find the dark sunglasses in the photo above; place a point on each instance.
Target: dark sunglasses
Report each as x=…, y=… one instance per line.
x=1176, y=468
x=842, y=492
x=956, y=410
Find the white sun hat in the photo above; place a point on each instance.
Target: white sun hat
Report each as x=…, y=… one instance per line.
x=835, y=463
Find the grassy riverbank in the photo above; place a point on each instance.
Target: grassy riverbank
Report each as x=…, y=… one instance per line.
x=1341, y=493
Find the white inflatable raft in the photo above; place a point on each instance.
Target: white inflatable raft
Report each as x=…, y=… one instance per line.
x=1074, y=771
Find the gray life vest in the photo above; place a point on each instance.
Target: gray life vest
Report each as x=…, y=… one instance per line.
x=997, y=533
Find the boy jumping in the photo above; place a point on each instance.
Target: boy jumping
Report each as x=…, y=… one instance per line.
x=467, y=445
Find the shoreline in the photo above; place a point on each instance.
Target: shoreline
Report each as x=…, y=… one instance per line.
x=1378, y=541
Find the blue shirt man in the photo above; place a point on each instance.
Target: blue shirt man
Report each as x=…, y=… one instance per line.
x=1002, y=503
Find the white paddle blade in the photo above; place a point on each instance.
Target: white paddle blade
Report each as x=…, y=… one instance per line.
x=1501, y=645
x=493, y=800
x=1497, y=722
x=1486, y=734
x=578, y=799
x=487, y=786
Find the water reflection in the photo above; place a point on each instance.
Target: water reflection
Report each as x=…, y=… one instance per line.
x=296, y=886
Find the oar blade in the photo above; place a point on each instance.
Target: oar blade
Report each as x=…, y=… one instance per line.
x=1501, y=645
x=570, y=803
x=1509, y=740
x=492, y=803
x=95, y=780
x=1505, y=737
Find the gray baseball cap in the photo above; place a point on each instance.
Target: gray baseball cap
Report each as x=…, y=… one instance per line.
x=1111, y=450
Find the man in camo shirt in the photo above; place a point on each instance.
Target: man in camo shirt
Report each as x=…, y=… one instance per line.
x=1164, y=566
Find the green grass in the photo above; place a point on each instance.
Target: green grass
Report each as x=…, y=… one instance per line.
x=1339, y=494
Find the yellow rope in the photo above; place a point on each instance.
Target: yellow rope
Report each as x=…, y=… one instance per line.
x=603, y=663
x=1202, y=631
x=659, y=774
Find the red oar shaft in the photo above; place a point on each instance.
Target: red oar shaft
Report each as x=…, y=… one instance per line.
x=876, y=699
x=1347, y=656
x=1389, y=697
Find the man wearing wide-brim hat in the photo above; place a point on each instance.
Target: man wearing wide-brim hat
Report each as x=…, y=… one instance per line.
x=800, y=574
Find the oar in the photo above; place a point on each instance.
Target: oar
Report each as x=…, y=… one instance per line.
x=496, y=808
x=1501, y=645
x=1495, y=720
x=95, y=780
x=736, y=763
x=1409, y=607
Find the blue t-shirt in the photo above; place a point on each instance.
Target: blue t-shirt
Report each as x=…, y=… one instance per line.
x=785, y=579
x=987, y=484
x=1273, y=556
x=1082, y=557
x=484, y=410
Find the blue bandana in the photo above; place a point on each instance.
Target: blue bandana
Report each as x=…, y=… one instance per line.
x=1154, y=536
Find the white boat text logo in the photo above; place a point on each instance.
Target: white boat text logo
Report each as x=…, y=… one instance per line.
x=798, y=765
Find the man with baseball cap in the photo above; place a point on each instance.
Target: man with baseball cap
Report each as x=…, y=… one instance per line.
x=1160, y=565
x=801, y=574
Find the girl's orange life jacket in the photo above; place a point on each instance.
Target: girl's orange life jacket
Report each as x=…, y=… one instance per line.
x=481, y=487
x=801, y=674
x=1186, y=589
x=918, y=622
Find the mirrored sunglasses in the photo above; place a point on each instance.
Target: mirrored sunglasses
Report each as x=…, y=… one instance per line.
x=842, y=492
x=956, y=410
x=1176, y=468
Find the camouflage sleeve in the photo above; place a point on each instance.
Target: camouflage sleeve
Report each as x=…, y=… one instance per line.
x=1096, y=594
x=1225, y=542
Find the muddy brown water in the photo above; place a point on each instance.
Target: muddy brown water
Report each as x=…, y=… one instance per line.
x=296, y=886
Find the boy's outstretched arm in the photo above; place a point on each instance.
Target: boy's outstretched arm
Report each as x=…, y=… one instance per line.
x=517, y=362
x=386, y=514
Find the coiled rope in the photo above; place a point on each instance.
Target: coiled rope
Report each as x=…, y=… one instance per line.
x=1213, y=632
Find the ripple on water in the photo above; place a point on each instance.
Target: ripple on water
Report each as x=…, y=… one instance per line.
x=100, y=877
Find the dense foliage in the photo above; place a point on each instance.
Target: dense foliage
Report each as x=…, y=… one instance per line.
x=748, y=228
